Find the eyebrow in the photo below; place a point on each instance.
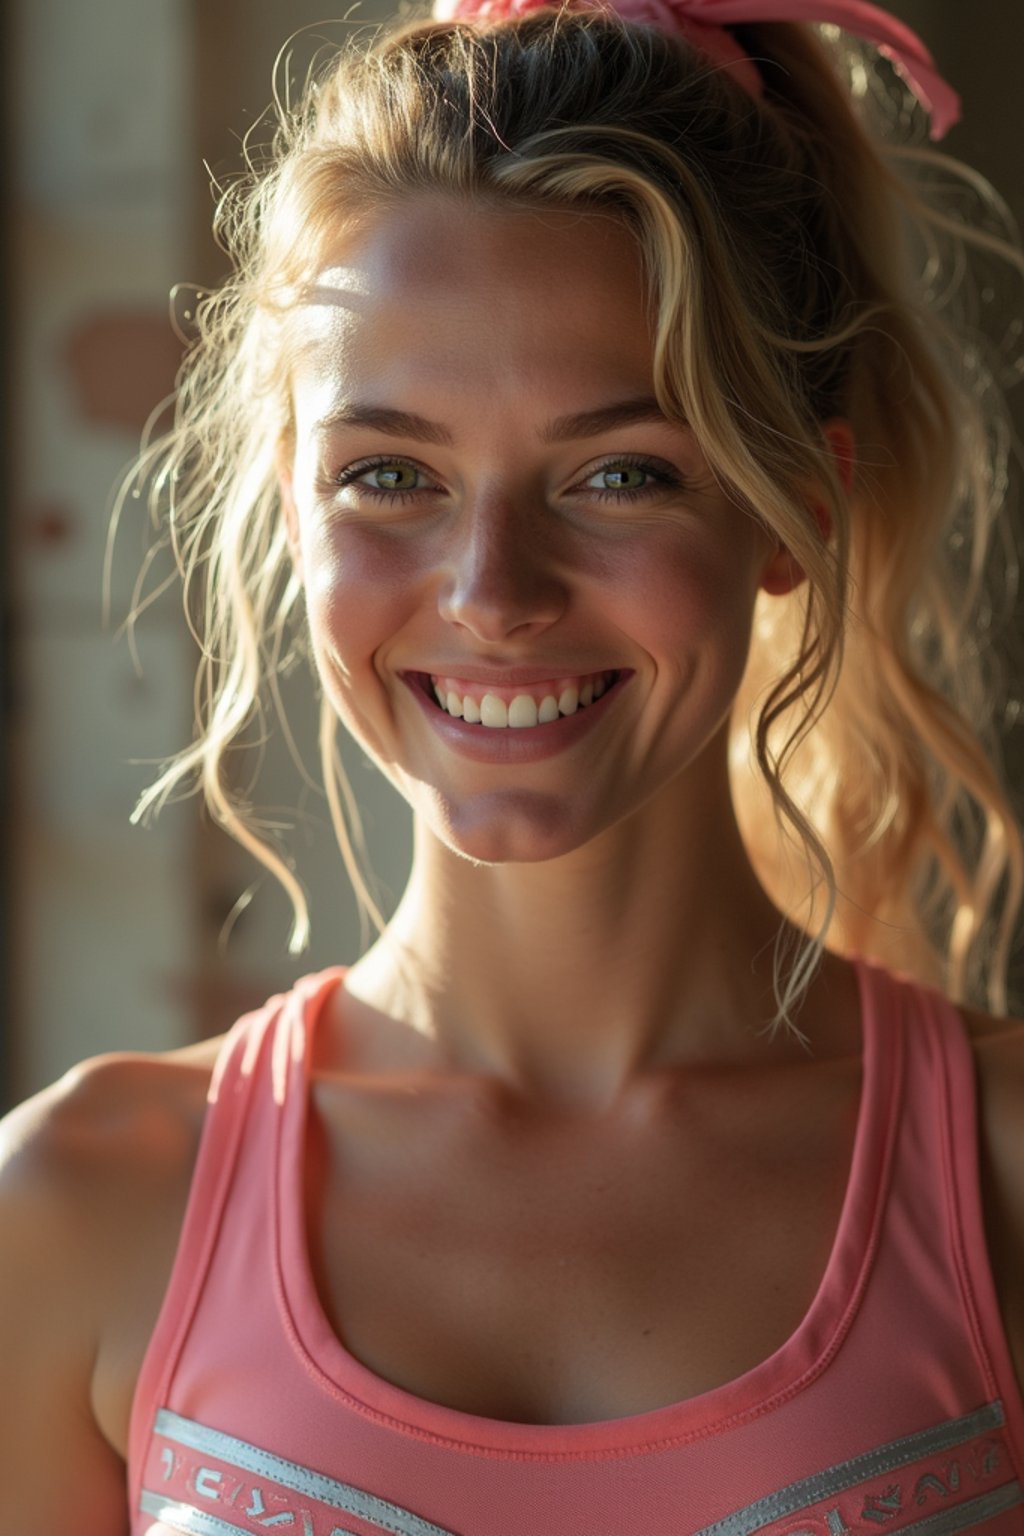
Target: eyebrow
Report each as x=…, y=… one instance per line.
x=562, y=429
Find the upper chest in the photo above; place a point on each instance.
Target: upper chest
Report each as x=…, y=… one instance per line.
x=554, y=1270
x=563, y=1271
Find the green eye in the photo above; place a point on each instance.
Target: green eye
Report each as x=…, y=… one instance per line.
x=630, y=479
x=395, y=479
x=389, y=476
x=618, y=477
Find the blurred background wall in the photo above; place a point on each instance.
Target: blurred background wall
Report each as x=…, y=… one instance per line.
x=130, y=938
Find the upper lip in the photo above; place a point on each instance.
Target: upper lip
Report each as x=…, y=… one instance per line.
x=510, y=677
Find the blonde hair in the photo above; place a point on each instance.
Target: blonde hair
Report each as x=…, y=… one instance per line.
x=798, y=269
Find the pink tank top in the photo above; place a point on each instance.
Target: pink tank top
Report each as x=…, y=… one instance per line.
x=892, y=1408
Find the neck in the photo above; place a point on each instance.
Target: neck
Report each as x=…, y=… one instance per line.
x=572, y=978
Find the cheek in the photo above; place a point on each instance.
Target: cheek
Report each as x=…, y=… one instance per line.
x=688, y=598
x=359, y=589
x=358, y=597
x=693, y=616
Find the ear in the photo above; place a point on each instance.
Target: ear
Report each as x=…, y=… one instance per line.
x=783, y=573
x=283, y=462
x=838, y=433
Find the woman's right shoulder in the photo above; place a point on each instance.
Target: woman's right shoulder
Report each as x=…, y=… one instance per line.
x=95, y=1172
x=82, y=1161
x=118, y=1115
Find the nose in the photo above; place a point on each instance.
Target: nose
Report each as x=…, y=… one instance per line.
x=502, y=575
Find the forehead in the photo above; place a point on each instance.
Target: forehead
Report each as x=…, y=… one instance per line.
x=425, y=242
x=499, y=297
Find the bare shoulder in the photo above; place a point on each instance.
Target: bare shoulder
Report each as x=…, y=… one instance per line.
x=91, y=1166
x=83, y=1160
x=116, y=1117
x=986, y=1027
x=94, y=1174
x=998, y=1046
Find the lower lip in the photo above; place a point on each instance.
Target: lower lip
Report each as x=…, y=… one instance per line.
x=513, y=744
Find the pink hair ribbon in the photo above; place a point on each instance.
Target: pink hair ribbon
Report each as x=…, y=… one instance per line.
x=703, y=23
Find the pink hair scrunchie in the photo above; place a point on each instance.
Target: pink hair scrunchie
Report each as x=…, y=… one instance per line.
x=704, y=23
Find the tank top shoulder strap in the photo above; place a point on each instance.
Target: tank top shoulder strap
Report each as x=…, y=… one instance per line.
x=244, y=1065
x=940, y=1162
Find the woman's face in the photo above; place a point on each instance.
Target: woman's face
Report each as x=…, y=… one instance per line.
x=485, y=499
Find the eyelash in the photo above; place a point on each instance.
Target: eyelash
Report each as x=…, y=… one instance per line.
x=658, y=472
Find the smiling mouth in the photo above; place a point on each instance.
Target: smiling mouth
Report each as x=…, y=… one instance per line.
x=541, y=704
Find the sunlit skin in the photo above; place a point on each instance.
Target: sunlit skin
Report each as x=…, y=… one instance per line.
x=576, y=920
x=547, y=1168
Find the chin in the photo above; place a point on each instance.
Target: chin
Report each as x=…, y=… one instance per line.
x=514, y=827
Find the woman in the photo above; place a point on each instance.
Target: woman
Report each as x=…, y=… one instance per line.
x=578, y=383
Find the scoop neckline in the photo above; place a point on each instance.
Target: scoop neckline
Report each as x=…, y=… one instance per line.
x=787, y=1371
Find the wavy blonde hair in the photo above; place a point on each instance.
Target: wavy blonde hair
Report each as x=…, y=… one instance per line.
x=800, y=265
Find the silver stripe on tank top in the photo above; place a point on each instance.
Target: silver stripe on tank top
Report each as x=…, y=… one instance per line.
x=786, y=1502
x=798, y=1496
x=185, y=1517
x=967, y=1517
x=945, y=1522
x=291, y=1475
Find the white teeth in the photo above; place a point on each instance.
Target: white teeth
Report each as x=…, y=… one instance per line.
x=493, y=712
x=522, y=711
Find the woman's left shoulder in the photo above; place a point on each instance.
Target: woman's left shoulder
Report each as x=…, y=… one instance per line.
x=998, y=1047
